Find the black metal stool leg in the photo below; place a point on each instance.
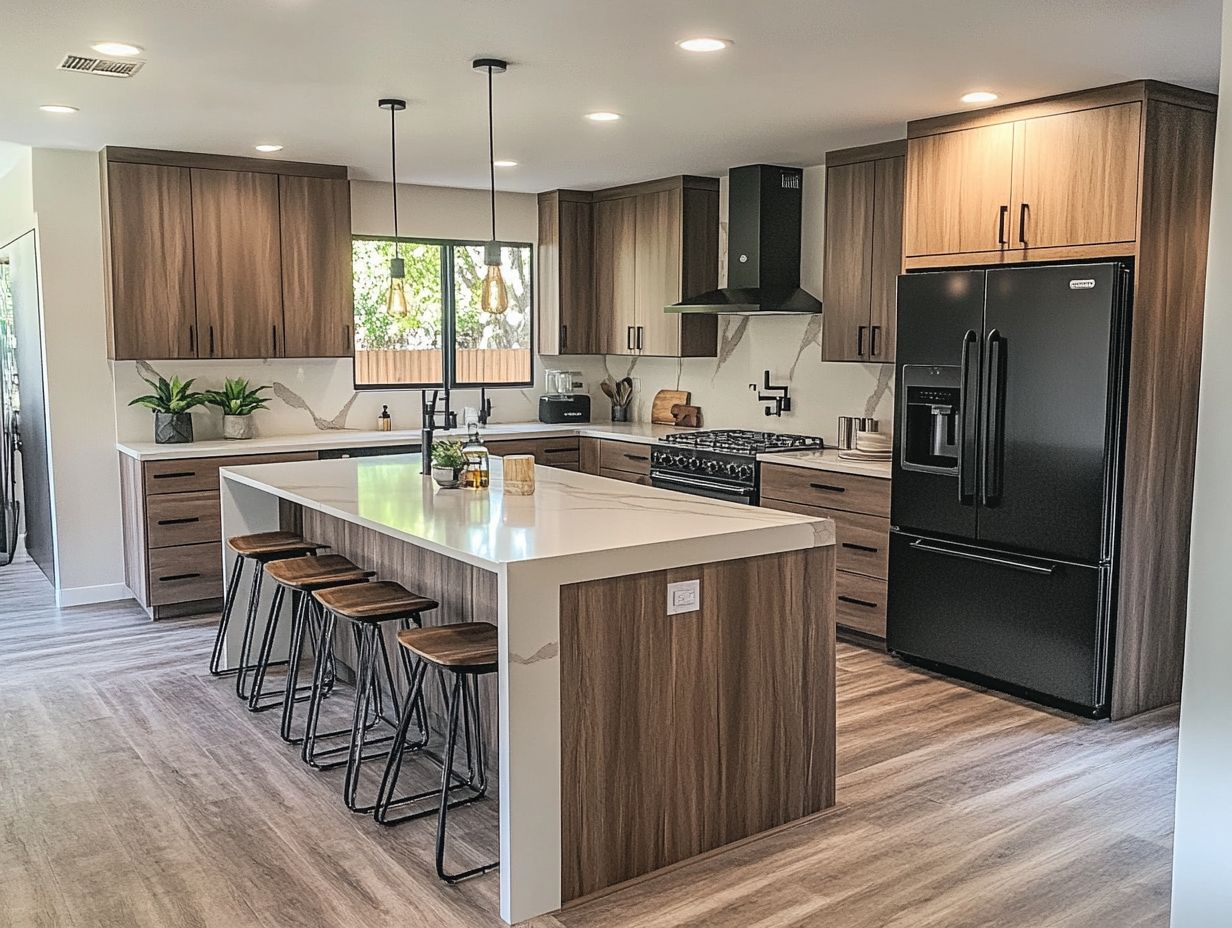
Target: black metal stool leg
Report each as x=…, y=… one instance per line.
x=366, y=681
x=267, y=644
x=318, y=684
x=393, y=767
x=228, y=603
x=250, y=628
x=299, y=623
x=457, y=701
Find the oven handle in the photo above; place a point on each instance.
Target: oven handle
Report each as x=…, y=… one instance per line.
x=703, y=484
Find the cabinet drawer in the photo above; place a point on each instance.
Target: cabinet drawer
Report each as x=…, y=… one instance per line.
x=862, y=542
x=627, y=476
x=828, y=489
x=624, y=455
x=194, y=474
x=183, y=519
x=185, y=573
x=861, y=603
x=548, y=452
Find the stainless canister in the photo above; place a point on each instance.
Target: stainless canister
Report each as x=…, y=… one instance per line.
x=867, y=424
x=846, y=433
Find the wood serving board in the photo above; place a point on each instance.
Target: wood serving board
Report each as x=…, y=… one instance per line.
x=661, y=408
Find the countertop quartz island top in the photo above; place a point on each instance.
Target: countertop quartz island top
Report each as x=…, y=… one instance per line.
x=576, y=578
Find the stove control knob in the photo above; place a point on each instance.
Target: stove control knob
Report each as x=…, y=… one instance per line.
x=711, y=467
x=693, y=463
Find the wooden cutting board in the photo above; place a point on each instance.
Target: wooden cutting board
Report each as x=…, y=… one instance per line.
x=661, y=408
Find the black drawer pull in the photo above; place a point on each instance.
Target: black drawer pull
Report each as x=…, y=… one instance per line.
x=857, y=602
x=171, y=577
x=561, y=450
x=856, y=547
x=828, y=488
x=637, y=457
x=176, y=473
x=184, y=521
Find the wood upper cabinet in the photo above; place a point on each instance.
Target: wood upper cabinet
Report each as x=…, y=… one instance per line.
x=565, y=274
x=1079, y=180
x=958, y=191
x=615, y=239
x=863, y=252
x=657, y=269
x=318, y=290
x=153, y=306
x=236, y=240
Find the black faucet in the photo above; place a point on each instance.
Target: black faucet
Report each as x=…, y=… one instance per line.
x=782, y=403
x=485, y=406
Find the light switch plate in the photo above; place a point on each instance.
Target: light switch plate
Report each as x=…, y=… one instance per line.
x=685, y=596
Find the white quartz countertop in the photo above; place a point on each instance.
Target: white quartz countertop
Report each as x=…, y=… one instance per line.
x=344, y=438
x=569, y=514
x=830, y=461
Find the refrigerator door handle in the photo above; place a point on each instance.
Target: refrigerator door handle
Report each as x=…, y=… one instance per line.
x=966, y=423
x=921, y=545
x=990, y=464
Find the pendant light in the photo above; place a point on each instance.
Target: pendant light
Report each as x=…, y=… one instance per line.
x=395, y=304
x=494, y=298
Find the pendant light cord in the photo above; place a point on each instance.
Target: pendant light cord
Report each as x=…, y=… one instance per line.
x=491, y=156
x=393, y=171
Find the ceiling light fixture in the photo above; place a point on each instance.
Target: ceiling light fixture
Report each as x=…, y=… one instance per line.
x=395, y=303
x=268, y=148
x=58, y=108
x=505, y=164
x=979, y=96
x=118, y=49
x=703, y=44
x=494, y=297
x=603, y=116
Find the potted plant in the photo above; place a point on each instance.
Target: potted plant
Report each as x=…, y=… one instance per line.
x=447, y=463
x=238, y=400
x=171, y=401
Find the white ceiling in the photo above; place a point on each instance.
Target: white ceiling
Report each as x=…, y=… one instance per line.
x=803, y=76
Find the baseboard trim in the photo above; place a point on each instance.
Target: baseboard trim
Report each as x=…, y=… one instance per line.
x=89, y=595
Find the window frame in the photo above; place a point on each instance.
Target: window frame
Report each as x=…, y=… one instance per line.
x=449, y=345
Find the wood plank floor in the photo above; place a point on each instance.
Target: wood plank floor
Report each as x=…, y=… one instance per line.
x=136, y=791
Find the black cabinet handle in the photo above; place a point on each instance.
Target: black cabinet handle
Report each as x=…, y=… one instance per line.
x=829, y=488
x=872, y=341
x=564, y=337
x=860, y=341
x=1002, y=215
x=639, y=338
x=346, y=337
x=177, y=473
x=192, y=340
x=636, y=457
x=855, y=547
x=211, y=341
x=560, y=450
x=185, y=521
x=864, y=603
x=1022, y=223
x=629, y=337
x=172, y=577
x=274, y=340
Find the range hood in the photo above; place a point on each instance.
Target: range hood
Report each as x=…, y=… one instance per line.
x=763, y=247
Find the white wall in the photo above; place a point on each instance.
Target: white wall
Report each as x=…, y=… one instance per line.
x=16, y=192
x=1202, y=865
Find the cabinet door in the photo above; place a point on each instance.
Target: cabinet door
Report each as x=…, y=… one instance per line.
x=958, y=191
x=547, y=284
x=847, y=274
x=153, y=306
x=1079, y=178
x=317, y=282
x=565, y=276
x=887, y=257
x=615, y=297
x=657, y=272
x=238, y=261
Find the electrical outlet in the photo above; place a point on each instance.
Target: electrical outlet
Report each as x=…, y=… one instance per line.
x=685, y=596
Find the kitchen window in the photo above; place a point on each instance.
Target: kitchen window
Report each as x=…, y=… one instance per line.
x=445, y=337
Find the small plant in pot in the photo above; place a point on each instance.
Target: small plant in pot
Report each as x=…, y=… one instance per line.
x=171, y=401
x=238, y=400
x=447, y=463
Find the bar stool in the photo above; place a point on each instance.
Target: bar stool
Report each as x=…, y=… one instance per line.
x=367, y=607
x=468, y=650
x=302, y=576
x=260, y=548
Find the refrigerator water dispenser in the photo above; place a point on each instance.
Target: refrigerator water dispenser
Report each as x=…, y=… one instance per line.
x=933, y=401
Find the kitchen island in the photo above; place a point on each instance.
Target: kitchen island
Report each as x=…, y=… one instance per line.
x=632, y=733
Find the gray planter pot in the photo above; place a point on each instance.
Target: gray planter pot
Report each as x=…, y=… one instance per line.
x=173, y=428
x=446, y=477
x=238, y=427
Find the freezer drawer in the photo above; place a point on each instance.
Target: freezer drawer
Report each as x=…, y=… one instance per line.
x=1018, y=624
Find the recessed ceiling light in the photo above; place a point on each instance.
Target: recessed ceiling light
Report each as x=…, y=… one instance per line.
x=703, y=44
x=603, y=116
x=57, y=108
x=268, y=148
x=505, y=164
x=979, y=96
x=119, y=49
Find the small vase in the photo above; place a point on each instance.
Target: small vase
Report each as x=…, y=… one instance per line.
x=173, y=428
x=620, y=413
x=238, y=427
x=446, y=477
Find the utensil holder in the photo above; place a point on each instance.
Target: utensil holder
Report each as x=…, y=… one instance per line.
x=620, y=413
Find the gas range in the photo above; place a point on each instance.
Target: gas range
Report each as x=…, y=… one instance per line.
x=719, y=463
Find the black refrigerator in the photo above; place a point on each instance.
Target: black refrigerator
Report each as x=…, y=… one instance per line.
x=1007, y=460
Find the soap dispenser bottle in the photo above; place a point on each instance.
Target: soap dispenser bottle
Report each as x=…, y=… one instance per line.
x=384, y=422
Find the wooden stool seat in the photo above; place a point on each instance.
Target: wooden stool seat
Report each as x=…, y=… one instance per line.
x=472, y=645
x=271, y=544
x=309, y=573
x=373, y=602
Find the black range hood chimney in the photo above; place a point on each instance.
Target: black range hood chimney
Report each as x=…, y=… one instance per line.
x=763, y=247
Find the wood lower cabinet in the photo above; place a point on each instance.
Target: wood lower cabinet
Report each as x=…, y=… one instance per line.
x=547, y=452
x=565, y=274
x=318, y=283
x=863, y=252
x=172, y=529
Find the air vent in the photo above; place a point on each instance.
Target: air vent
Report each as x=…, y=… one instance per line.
x=790, y=181
x=103, y=67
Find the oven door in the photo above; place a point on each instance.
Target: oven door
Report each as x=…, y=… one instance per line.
x=702, y=486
